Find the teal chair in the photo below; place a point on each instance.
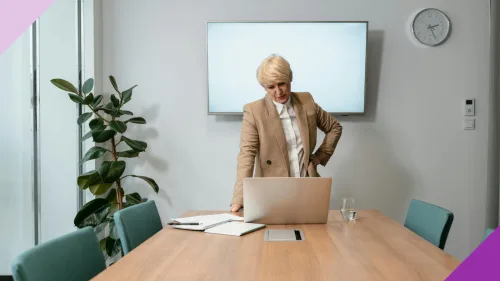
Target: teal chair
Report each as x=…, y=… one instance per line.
x=487, y=233
x=429, y=221
x=75, y=256
x=136, y=224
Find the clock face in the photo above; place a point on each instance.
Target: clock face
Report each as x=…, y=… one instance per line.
x=431, y=27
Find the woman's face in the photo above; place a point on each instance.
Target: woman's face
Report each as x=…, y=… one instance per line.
x=280, y=92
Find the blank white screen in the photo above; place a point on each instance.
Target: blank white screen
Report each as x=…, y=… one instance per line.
x=328, y=60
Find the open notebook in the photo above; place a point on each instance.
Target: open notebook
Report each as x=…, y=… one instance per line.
x=225, y=224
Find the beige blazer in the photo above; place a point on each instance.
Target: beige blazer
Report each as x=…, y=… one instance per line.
x=263, y=144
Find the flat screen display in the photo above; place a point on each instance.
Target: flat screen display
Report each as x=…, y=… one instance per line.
x=328, y=59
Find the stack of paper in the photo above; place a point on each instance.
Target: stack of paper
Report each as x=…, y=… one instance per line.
x=235, y=228
x=226, y=224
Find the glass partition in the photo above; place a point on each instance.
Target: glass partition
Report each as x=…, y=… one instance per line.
x=39, y=137
x=17, y=215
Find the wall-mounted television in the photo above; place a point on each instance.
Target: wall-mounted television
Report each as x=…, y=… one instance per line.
x=328, y=59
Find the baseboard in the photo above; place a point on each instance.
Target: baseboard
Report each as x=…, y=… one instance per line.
x=6, y=278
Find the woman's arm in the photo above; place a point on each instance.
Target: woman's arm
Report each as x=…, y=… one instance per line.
x=249, y=145
x=333, y=131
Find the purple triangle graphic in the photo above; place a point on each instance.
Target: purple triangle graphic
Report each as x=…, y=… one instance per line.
x=16, y=16
x=482, y=263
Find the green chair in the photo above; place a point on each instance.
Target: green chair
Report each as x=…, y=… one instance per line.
x=429, y=221
x=487, y=233
x=75, y=256
x=136, y=224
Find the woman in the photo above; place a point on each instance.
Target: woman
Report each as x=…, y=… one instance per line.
x=279, y=131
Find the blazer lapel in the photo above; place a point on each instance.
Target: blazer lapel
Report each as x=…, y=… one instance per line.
x=301, y=115
x=274, y=122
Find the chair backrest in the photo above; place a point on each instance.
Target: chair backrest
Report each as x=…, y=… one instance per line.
x=429, y=221
x=136, y=224
x=487, y=233
x=75, y=256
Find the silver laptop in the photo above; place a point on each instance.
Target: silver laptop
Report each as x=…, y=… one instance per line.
x=286, y=200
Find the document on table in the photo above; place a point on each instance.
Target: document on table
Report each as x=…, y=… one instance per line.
x=225, y=224
x=205, y=222
x=235, y=228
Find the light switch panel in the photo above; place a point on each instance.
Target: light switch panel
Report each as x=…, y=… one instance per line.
x=469, y=124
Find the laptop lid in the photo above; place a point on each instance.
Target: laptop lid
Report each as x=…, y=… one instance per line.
x=286, y=200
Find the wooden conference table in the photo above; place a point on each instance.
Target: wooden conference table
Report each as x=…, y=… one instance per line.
x=372, y=248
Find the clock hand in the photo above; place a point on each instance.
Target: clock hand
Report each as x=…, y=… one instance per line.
x=431, y=28
x=433, y=33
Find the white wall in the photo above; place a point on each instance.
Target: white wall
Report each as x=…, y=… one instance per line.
x=410, y=144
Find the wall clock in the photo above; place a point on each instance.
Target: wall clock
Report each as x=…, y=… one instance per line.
x=431, y=27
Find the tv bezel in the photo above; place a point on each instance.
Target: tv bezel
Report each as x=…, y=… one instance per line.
x=277, y=21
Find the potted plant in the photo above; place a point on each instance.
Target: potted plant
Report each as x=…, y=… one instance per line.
x=107, y=129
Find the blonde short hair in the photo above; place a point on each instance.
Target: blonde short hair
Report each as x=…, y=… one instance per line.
x=274, y=69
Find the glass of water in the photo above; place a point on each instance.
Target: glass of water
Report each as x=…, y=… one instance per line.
x=348, y=211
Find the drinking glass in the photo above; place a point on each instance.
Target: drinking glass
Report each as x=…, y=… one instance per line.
x=348, y=211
